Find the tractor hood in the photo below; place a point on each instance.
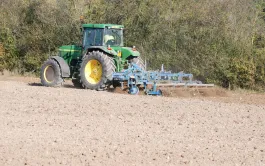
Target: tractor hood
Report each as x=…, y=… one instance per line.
x=126, y=52
x=72, y=49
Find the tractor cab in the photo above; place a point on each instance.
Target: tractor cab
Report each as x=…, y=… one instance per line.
x=107, y=35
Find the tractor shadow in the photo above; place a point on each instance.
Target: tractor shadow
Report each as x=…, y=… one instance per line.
x=35, y=84
x=116, y=90
x=167, y=92
x=125, y=91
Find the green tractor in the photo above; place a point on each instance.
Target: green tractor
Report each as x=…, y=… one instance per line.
x=91, y=65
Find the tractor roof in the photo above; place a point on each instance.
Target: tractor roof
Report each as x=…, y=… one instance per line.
x=102, y=26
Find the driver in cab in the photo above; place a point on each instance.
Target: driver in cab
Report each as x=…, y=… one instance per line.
x=108, y=39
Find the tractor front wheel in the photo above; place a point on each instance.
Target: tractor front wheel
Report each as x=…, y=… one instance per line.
x=51, y=73
x=96, y=70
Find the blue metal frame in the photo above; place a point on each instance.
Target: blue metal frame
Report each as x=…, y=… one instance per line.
x=135, y=77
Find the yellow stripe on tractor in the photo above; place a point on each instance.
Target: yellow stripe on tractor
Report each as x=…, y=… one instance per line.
x=68, y=50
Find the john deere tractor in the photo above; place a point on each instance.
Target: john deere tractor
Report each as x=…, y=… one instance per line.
x=91, y=65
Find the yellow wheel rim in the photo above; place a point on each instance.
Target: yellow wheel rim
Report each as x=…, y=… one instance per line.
x=93, y=71
x=49, y=74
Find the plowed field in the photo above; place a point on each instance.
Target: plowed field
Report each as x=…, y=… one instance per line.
x=69, y=126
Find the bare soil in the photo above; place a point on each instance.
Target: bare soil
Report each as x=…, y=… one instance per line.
x=69, y=126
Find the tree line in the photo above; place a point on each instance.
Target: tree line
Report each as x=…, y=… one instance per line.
x=219, y=41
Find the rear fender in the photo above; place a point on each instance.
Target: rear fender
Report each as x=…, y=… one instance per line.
x=65, y=69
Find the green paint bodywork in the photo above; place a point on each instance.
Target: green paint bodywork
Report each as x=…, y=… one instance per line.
x=126, y=51
x=72, y=54
x=111, y=52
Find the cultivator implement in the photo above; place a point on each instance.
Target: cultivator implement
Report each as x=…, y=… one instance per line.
x=135, y=77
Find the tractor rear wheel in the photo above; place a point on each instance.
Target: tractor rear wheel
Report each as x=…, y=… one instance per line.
x=96, y=70
x=138, y=61
x=51, y=73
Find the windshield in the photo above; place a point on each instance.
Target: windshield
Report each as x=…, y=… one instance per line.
x=92, y=37
x=113, y=37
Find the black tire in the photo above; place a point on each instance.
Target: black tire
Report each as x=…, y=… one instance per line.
x=51, y=73
x=107, y=68
x=115, y=84
x=138, y=61
x=77, y=83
